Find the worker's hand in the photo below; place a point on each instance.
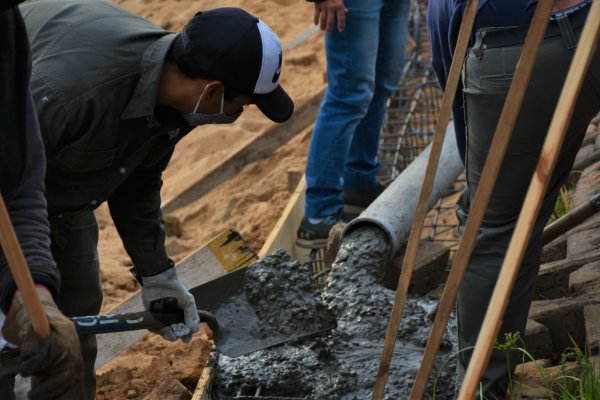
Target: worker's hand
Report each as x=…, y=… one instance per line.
x=55, y=364
x=326, y=13
x=165, y=285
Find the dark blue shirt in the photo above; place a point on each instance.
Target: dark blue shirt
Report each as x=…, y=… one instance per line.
x=443, y=22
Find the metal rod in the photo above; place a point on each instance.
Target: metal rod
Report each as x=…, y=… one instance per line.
x=571, y=219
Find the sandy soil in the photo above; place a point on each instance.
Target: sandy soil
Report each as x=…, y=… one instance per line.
x=250, y=203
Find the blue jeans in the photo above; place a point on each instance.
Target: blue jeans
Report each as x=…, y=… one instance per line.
x=364, y=65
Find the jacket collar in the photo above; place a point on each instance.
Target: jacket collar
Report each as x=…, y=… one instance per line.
x=144, y=96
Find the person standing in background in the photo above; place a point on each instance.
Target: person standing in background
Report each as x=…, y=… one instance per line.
x=364, y=44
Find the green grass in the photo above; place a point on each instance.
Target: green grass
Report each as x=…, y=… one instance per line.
x=579, y=377
x=563, y=202
x=583, y=385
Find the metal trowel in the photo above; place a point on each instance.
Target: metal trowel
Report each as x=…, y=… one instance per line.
x=240, y=325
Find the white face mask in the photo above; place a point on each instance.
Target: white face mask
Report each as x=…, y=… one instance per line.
x=195, y=118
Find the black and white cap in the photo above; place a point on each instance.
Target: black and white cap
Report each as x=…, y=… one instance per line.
x=241, y=51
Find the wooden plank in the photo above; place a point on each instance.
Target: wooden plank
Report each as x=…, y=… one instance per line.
x=283, y=234
x=204, y=386
x=21, y=274
x=223, y=254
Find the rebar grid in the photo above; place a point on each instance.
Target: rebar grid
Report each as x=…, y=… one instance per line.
x=410, y=121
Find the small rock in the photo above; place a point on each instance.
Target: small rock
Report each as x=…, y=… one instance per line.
x=172, y=225
x=131, y=394
x=303, y=60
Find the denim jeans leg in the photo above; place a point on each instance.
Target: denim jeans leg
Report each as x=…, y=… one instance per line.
x=351, y=58
x=487, y=76
x=362, y=164
x=74, y=247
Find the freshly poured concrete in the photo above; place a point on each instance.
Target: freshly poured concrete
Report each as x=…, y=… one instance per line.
x=343, y=363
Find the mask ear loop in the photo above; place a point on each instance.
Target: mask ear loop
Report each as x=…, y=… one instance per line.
x=222, y=99
x=204, y=92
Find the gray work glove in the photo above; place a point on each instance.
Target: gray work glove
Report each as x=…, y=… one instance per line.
x=167, y=285
x=55, y=364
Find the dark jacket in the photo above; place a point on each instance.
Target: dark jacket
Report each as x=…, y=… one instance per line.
x=22, y=162
x=96, y=72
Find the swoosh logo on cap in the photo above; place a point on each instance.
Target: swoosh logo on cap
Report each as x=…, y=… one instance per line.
x=278, y=72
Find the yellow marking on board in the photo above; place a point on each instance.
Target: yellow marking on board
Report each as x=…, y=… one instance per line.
x=230, y=249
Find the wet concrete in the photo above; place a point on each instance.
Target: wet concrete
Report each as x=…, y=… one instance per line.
x=278, y=280
x=267, y=303
x=343, y=363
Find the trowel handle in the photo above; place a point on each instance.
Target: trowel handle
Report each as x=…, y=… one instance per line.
x=136, y=320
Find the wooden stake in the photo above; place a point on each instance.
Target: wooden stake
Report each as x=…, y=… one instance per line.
x=531, y=206
x=460, y=52
x=502, y=136
x=22, y=276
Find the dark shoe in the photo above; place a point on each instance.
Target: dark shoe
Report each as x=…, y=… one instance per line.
x=314, y=236
x=356, y=201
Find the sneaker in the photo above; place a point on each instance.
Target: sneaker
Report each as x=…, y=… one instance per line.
x=356, y=201
x=314, y=236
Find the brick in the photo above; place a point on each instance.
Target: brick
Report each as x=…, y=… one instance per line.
x=564, y=318
x=587, y=275
x=555, y=250
x=585, y=239
x=584, y=151
x=553, y=278
x=591, y=314
x=531, y=383
x=538, y=341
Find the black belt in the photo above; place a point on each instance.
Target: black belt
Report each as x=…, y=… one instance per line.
x=511, y=36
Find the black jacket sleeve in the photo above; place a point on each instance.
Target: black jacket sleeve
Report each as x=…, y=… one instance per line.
x=23, y=192
x=135, y=209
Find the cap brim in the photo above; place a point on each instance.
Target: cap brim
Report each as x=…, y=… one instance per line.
x=276, y=105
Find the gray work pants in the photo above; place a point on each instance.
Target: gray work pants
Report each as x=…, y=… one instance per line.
x=74, y=247
x=487, y=74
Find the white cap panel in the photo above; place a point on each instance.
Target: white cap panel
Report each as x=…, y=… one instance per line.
x=268, y=78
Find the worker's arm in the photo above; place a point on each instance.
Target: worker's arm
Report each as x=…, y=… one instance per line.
x=135, y=208
x=26, y=205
